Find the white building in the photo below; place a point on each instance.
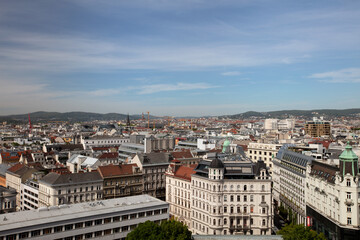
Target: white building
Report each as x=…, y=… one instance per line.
x=263, y=151
x=57, y=189
x=231, y=195
x=271, y=124
x=106, y=219
x=29, y=195
x=178, y=192
x=78, y=163
x=332, y=197
x=206, y=144
x=103, y=141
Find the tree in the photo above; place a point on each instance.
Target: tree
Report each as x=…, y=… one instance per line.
x=170, y=229
x=299, y=232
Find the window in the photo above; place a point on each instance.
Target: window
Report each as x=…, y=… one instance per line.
x=225, y=209
x=116, y=219
x=68, y=227
x=348, y=209
x=107, y=220
x=126, y=217
x=263, y=210
x=245, y=209
x=238, y=198
x=88, y=223
x=47, y=231
x=349, y=221
x=88, y=235
x=251, y=221
x=245, y=198
x=348, y=195
x=58, y=229
x=263, y=222
x=225, y=221
x=245, y=187
x=231, y=198
x=98, y=221
x=251, y=198
x=78, y=225
x=35, y=233
x=238, y=210
x=348, y=182
x=263, y=198
x=225, y=198
x=251, y=209
x=23, y=235
x=98, y=233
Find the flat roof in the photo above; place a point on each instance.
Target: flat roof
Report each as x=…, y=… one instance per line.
x=54, y=214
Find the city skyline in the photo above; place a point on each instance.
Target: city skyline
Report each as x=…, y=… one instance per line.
x=178, y=58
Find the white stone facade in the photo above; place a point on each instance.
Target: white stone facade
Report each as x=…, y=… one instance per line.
x=263, y=151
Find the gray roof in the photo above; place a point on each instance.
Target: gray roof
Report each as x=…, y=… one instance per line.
x=73, y=178
x=296, y=158
x=3, y=169
x=154, y=158
x=52, y=215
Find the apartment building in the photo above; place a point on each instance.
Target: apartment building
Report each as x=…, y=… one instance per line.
x=231, y=195
x=263, y=151
x=7, y=200
x=56, y=189
x=318, y=128
x=103, y=141
x=178, y=191
x=105, y=219
x=332, y=197
x=29, y=195
x=153, y=166
x=121, y=180
x=289, y=177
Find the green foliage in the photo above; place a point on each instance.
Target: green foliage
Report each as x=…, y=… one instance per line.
x=167, y=230
x=299, y=232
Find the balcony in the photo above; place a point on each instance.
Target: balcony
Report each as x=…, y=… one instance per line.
x=349, y=202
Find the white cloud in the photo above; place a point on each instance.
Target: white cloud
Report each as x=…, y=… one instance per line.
x=234, y=73
x=348, y=75
x=149, y=89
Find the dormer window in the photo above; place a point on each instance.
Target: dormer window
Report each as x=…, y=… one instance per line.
x=348, y=182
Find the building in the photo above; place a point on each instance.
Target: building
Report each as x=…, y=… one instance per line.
x=103, y=141
x=7, y=200
x=16, y=175
x=332, y=197
x=106, y=219
x=78, y=163
x=289, y=177
x=263, y=151
x=271, y=124
x=153, y=166
x=152, y=144
x=178, y=191
x=29, y=195
x=121, y=180
x=231, y=195
x=318, y=128
x=56, y=189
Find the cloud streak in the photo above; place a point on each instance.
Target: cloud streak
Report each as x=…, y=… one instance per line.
x=348, y=75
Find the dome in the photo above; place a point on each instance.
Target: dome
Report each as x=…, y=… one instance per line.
x=216, y=163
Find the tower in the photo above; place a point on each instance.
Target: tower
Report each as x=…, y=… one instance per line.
x=348, y=162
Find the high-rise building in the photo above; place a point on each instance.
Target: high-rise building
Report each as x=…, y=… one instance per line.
x=317, y=128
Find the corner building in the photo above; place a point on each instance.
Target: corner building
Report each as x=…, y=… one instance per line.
x=231, y=195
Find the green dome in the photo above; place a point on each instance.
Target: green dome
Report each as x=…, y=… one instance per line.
x=348, y=154
x=226, y=145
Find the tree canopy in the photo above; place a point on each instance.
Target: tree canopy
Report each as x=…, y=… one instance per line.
x=167, y=230
x=299, y=232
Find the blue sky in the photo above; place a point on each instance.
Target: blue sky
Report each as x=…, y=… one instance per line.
x=178, y=58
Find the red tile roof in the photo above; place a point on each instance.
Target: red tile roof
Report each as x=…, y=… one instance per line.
x=116, y=170
x=16, y=167
x=182, y=154
x=109, y=155
x=184, y=172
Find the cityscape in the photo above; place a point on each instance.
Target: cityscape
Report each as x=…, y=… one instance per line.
x=181, y=120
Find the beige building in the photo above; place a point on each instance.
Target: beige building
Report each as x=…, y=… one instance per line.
x=57, y=189
x=263, y=151
x=16, y=175
x=231, y=195
x=318, y=128
x=153, y=167
x=178, y=191
x=332, y=197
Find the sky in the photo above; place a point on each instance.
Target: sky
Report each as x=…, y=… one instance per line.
x=178, y=57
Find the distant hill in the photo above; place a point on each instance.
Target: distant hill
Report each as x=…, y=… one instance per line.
x=68, y=116
x=298, y=113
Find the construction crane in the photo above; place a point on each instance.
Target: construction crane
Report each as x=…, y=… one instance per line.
x=148, y=119
x=30, y=126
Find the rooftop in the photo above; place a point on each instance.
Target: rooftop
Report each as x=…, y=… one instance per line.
x=81, y=210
